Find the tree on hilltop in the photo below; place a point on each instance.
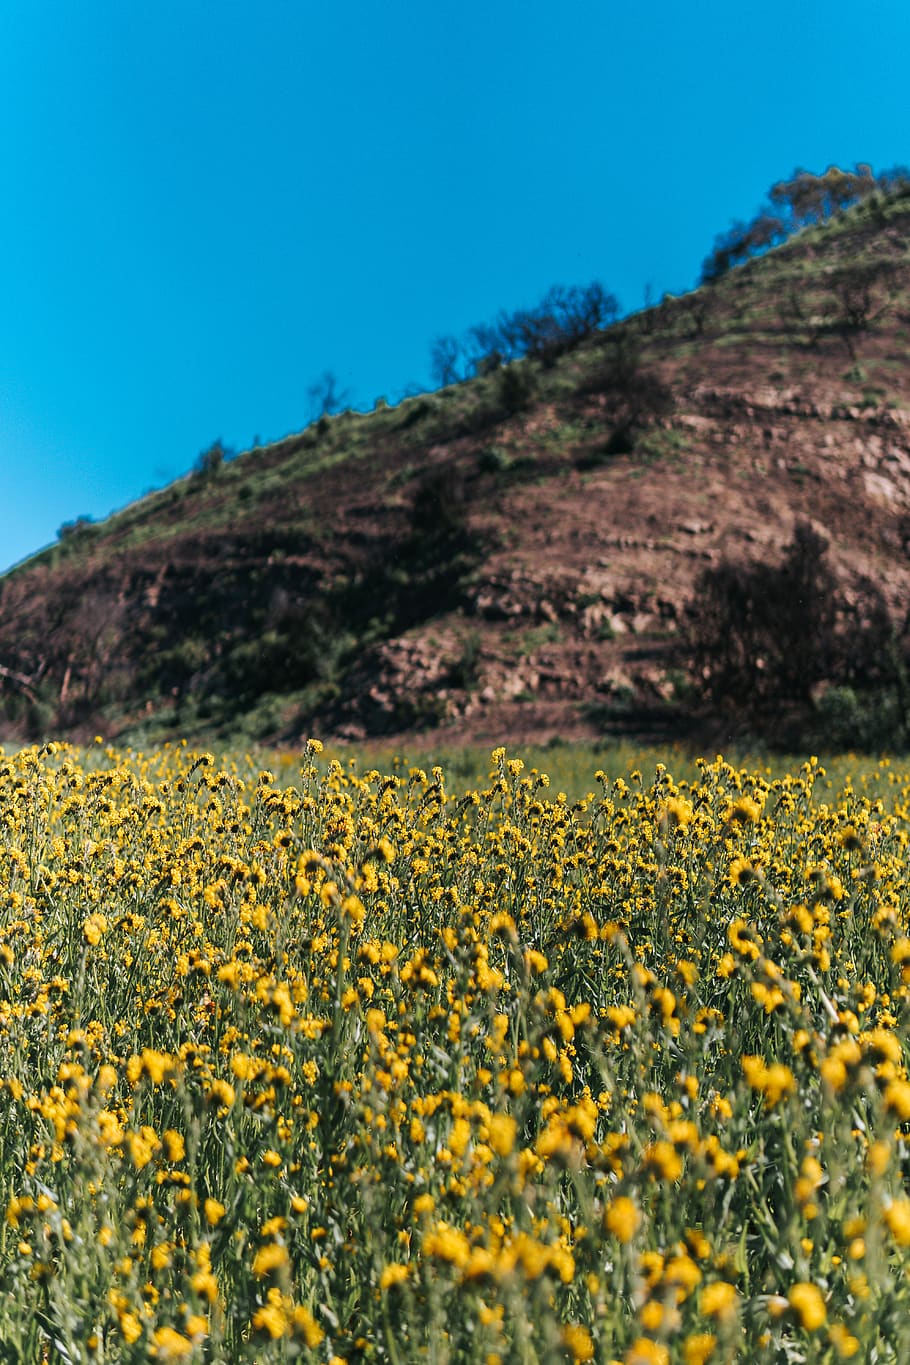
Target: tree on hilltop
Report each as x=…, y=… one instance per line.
x=801, y=201
x=326, y=398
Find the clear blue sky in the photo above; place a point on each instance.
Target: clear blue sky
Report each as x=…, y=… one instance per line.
x=208, y=204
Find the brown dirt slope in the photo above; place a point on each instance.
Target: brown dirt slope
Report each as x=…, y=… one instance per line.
x=502, y=561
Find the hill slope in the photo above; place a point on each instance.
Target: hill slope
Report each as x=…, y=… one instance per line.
x=514, y=556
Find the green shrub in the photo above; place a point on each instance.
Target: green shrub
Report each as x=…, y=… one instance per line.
x=516, y=388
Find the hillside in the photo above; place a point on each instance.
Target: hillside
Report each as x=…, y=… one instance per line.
x=515, y=556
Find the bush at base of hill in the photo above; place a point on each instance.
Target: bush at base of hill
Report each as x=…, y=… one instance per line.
x=783, y=645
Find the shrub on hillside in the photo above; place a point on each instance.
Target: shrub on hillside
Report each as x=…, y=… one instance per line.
x=563, y=319
x=439, y=507
x=770, y=639
x=762, y=631
x=636, y=396
x=209, y=461
x=516, y=388
x=78, y=529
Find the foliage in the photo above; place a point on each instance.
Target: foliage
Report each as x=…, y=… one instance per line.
x=740, y=241
x=516, y=388
x=465, y=669
x=79, y=528
x=326, y=399
x=209, y=461
x=438, y=510
x=763, y=632
x=799, y=202
x=342, y=1066
x=563, y=318
x=765, y=635
x=636, y=396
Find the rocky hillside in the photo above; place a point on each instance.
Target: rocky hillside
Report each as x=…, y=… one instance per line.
x=521, y=555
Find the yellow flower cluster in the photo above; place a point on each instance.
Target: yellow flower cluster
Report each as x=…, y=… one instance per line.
x=348, y=1067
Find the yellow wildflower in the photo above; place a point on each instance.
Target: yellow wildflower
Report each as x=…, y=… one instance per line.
x=808, y=1304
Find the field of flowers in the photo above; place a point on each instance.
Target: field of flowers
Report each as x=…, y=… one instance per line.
x=347, y=1067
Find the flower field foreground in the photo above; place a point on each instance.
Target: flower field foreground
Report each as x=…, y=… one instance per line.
x=355, y=1069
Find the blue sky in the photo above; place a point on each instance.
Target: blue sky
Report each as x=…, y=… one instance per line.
x=209, y=204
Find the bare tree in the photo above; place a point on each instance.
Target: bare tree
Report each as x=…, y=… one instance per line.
x=857, y=296
x=446, y=357
x=563, y=319
x=326, y=398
